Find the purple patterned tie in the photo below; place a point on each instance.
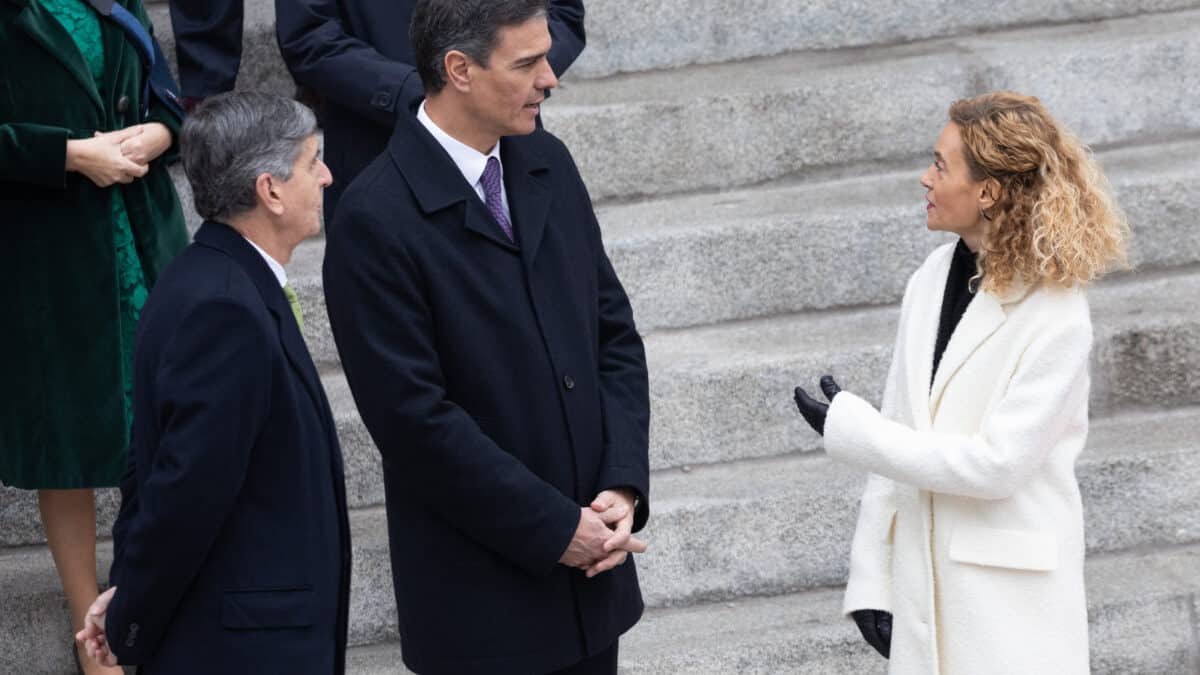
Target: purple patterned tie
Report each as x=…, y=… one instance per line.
x=491, y=193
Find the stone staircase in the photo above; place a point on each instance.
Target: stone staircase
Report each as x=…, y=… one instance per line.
x=755, y=174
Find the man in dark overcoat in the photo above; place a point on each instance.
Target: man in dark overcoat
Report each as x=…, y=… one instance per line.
x=493, y=355
x=355, y=56
x=231, y=551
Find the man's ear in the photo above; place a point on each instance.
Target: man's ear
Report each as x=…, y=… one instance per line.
x=458, y=70
x=989, y=193
x=266, y=188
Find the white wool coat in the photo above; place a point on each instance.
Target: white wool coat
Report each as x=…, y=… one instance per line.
x=970, y=530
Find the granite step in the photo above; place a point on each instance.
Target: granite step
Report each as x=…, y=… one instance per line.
x=1140, y=478
x=734, y=124
x=725, y=125
x=639, y=35
x=694, y=260
x=724, y=392
x=1142, y=611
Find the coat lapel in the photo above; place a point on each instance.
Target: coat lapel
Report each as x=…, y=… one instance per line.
x=437, y=183
x=984, y=315
x=44, y=29
x=528, y=195
x=225, y=238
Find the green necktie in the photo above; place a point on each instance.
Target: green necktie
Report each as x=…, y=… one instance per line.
x=294, y=301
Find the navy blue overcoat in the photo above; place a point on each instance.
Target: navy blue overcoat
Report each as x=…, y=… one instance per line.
x=232, y=546
x=505, y=386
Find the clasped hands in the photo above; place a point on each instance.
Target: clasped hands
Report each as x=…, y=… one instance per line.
x=118, y=156
x=603, y=539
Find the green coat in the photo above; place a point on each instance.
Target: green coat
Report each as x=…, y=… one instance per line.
x=62, y=419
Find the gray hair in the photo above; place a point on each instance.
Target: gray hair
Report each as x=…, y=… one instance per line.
x=231, y=139
x=469, y=26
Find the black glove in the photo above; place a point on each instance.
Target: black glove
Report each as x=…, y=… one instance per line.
x=876, y=628
x=813, y=410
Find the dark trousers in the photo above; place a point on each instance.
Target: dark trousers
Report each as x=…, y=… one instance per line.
x=604, y=663
x=208, y=44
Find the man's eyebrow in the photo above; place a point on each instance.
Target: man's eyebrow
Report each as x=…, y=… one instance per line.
x=530, y=59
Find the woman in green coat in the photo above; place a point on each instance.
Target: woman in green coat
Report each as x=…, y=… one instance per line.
x=88, y=218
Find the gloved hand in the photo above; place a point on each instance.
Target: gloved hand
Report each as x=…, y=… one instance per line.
x=876, y=628
x=813, y=410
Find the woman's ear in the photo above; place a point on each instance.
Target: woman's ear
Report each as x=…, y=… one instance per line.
x=989, y=193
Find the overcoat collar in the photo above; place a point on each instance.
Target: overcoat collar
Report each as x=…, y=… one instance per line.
x=226, y=239
x=437, y=184
x=40, y=25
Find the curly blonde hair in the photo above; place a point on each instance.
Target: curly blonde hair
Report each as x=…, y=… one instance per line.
x=1054, y=219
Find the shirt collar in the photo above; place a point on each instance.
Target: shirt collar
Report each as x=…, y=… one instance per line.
x=470, y=162
x=276, y=268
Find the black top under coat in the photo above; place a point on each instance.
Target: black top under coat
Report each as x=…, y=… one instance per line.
x=958, y=294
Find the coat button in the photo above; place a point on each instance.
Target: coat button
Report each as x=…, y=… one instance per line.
x=383, y=99
x=123, y=104
x=568, y=382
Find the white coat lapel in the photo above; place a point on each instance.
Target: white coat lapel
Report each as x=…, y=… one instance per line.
x=984, y=315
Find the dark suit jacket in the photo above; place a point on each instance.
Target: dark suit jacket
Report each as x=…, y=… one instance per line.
x=356, y=57
x=504, y=386
x=232, y=548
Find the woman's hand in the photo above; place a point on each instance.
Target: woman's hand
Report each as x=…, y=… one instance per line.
x=147, y=146
x=876, y=628
x=101, y=160
x=814, y=411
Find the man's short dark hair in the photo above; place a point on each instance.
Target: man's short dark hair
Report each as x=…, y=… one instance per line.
x=469, y=26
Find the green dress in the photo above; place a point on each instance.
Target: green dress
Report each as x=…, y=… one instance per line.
x=83, y=23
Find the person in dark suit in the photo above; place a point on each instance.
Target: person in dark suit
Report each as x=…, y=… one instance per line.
x=356, y=57
x=493, y=355
x=208, y=46
x=231, y=548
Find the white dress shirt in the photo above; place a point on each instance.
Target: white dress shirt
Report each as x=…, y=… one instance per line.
x=276, y=268
x=470, y=162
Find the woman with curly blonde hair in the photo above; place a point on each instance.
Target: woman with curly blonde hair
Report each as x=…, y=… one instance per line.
x=968, y=554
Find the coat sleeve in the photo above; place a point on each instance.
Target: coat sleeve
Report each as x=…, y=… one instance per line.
x=158, y=111
x=567, y=34
x=1035, y=414
x=34, y=153
x=323, y=56
x=869, y=585
x=624, y=382
x=213, y=396
x=384, y=330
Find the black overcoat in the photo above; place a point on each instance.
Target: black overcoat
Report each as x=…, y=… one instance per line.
x=505, y=385
x=232, y=547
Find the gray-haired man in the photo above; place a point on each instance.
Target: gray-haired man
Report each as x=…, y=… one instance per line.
x=231, y=550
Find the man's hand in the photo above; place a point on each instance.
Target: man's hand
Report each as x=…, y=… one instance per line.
x=621, y=542
x=587, y=546
x=93, y=637
x=147, y=146
x=101, y=160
